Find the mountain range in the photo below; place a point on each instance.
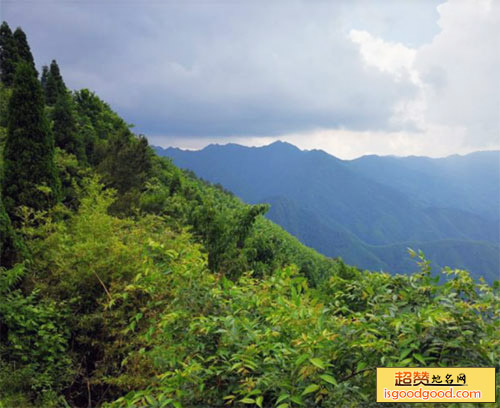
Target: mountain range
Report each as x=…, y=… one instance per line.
x=370, y=210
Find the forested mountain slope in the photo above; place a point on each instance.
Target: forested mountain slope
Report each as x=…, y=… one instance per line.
x=127, y=282
x=361, y=210
x=470, y=182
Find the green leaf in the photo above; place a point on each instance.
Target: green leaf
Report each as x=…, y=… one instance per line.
x=310, y=388
x=282, y=397
x=247, y=401
x=317, y=362
x=404, y=353
x=328, y=379
x=301, y=359
x=284, y=405
x=419, y=357
x=259, y=400
x=406, y=361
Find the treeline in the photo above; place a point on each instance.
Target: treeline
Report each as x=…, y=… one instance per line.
x=125, y=281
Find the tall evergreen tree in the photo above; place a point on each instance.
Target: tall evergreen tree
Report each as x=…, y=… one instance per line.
x=44, y=78
x=55, y=85
x=65, y=131
x=23, y=48
x=8, y=54
x=29, y=148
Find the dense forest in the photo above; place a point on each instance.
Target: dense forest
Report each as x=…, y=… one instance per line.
x=127, y=282
x=368, y=210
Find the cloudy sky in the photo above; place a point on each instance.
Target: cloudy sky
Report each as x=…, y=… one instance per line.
x=350, y=77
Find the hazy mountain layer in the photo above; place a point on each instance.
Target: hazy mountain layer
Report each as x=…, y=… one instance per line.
x=368, y=210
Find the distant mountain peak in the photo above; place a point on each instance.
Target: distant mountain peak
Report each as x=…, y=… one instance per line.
x=212, y=146
x=279, y=144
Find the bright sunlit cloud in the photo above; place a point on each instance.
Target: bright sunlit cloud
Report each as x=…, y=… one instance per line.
x=394, y=58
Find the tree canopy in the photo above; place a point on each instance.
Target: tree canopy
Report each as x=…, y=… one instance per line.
x=8, y=54
x=30, y=176
x=54, y=86
x=23, y=48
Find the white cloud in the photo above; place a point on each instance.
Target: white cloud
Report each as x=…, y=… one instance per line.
x=461, y=71
x=348, y=144
x=394, y=58
x=458, y=76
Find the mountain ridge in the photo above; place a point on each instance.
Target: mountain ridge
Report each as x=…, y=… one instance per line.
x=285, y=143
x=367, y=198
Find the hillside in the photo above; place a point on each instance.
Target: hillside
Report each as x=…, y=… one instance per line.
x=128, y=282
x=470, y=183
x=363, y=210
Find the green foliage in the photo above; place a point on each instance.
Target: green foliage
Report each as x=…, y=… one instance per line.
x=30, y=177
x=235, y=235
x=223, y=232
x=72, y=175
x=23, y=49
x=34, y=340
x=14, y=49
x=126, y=166
x=145, y=286
x=99, y=115
x=64, y=127
x=10, y=246
x=274, y=341
x=91, y=263
x=54, y=86
x=5, y=231
x=8, y=55
x=5, y=94
x=43, y=78
x=96, y=123
x=270, y=247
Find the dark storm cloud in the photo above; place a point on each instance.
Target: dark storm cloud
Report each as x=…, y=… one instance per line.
x=202, y=68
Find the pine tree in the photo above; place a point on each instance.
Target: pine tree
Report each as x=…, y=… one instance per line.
x=65, y=131
x=30, y=176
x=23, y=48
x=8, y=55
x=54, y=85
x=44, y=78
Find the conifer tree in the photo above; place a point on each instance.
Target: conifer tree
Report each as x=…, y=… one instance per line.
x=54, y=85
x=44, y=78
x=65, y=131
x=8, y=54
x=23, y=48
x=30, y=176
